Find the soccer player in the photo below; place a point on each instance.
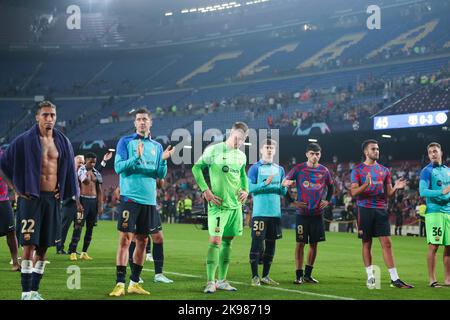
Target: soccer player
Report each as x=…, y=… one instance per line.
x=371, y=184
x=139, y=162
x=40, y=164
x=91, y=198
x=69, y=208
x=7, y=227
x=68, y=211
x=228, y=191
x=265, y=178
x=313, y=180
x=435, y=187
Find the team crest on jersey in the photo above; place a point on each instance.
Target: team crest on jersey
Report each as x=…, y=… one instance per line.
x=125, y=225
x=153, y=152
x=258, y=233
x=217, y=230
x=437, y=239
x=306, y=184
x=26, y=236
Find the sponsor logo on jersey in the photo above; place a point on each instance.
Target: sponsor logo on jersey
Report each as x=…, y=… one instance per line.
x=439, y=183
x=311, y=185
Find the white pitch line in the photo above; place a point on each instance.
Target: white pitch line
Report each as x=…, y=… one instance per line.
x=235, y=282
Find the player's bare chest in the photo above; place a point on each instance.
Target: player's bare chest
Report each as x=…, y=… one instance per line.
x=49, y=150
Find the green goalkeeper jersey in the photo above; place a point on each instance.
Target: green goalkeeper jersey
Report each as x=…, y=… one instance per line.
x=227, y=175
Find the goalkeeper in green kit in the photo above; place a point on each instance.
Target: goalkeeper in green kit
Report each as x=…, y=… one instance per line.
x=228, y=191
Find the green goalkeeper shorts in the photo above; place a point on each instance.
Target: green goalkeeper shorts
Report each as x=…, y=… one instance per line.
x=224, y=222
x=438, y=228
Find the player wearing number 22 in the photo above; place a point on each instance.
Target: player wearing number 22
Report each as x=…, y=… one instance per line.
x=229, y=190
x=265, y=178
x=435, y=187
x=313, y=180
x=40, y=165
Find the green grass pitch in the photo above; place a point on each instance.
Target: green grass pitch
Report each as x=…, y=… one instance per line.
x=338, y=267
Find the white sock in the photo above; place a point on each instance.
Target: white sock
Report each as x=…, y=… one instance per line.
x=132, y=282
x=393, y=273
x=39, y=267
x=369, y=271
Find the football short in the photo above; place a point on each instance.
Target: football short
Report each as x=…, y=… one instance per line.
x=6, y=218
x=89, y=214
x=309, y=229
x=266, y=228
x=224, y=222
x=372, y=223
x=39, y=220
x=138, y=218
x=438, y=228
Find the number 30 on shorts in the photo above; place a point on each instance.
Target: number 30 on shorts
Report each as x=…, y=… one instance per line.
x=258, y=225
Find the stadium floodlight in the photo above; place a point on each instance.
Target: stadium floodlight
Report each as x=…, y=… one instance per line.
x=387, y=136
x=168, y=14
x=184, y=11
x=249, y=3
x=193, y=10
x=312, y=140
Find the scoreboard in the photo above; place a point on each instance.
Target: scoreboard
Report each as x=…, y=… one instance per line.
x=411, y=120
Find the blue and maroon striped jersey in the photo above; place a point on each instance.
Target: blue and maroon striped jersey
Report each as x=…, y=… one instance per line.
x=375, y=196
x=312, y=186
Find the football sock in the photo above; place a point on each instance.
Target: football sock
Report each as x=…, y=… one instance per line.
x=393, y=274
x=36, y=276
x=88, y=236
x=212, y=261
x=299, y=273
x=224, y=259
x=254, y=256
x=121, y=272
x=136, y=273
x=26, y=274
x=158, y=257
x=369, y=271
x=269, y=253
x=308, y=271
